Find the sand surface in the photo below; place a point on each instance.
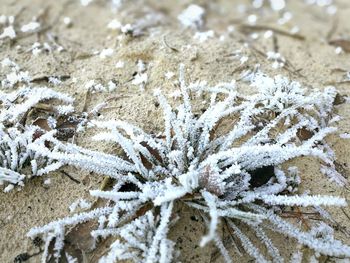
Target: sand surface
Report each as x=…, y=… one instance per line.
x=312, y=61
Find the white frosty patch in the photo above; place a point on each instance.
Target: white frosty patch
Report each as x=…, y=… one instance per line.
x=141, y=67
x=47, y=181
x=338, y=50
x=106, y=53
x=85, y=2
x=79, y=203
x=192, y=16
x=344, y=135
x=278, y=60
x=65, y=109
x=8, y=32
x=114, y=24
x=333, y=175
x=67, y=21
x=126, y=28
x=169, y=74
x=15, y=76
x=3, y=19
x=55, y=81
x=244, y=59
x=141, y=76
x=94, y=87
x=9, y=188
x=140, y=79
x=119, y=64
x=268, y=34
x=111, y=86
x=204, y=36
x=6, y=62
x=277, y=5
x=252, y=19
x=30, y=27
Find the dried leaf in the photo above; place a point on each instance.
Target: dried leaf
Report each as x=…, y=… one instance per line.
x=304, y=134
x=42, y=123
x=339, y=99
x=343, y=43
x=79, y=237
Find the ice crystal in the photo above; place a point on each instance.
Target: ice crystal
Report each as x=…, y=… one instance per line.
x=9, y=32
x=204, y=36
x=30, y=27
x=207, y=165
x=192, y=16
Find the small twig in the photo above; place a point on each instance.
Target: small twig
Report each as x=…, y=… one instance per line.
x=70, y=177
x=43, y=106
x=337, y=82
x=117, y=97
x=342, y=209
x=275, y=43
x=87, y=94
x=249, y=28
x=341, y=42
x=106, y=181
x=167, y=45
x=46, y=78
x=334, y=70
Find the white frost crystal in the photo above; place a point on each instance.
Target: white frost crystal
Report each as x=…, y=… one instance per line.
x=30, y=27
x=192, y=16
x=85, y=2
x=204, y=36
x=82, y=203
x=15, y=76
x=106, y=53
x=277, y=5
x=114, y=24
x=140, y=78
x=9, y=32
x=120, y=64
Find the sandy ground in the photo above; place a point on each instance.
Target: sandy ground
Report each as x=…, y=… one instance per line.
x=163, y=47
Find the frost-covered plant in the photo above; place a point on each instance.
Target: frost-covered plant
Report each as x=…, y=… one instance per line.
x=17, y=161
x=14, y=74
x=288, y=107
x=17, y=104
x=208, y=162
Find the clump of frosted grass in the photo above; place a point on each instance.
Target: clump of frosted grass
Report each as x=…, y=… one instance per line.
x=208, y=161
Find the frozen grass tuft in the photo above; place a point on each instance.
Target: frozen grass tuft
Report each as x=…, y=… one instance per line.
x=17, y=161
x=224, y=162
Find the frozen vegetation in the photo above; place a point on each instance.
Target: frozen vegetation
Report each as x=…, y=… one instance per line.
x=222, y=154
x=210, y=166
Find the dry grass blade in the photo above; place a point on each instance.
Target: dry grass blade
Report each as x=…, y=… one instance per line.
x=249, y=28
